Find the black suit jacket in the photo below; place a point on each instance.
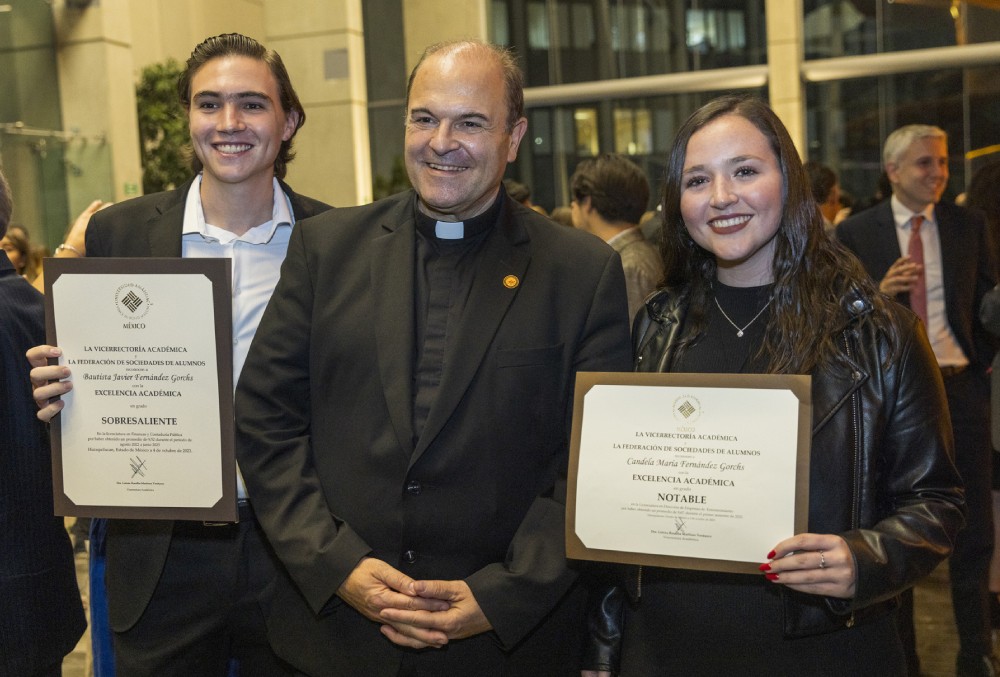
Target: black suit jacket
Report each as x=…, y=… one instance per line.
x=41, y=617
x=966, y=263
x=147, y=226
x=989, y=315
x=325, y=440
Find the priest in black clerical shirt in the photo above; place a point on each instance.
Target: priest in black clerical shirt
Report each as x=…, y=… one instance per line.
x=403, y=415
x=447, y=257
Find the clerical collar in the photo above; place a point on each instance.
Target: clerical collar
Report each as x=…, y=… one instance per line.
x=458, y=230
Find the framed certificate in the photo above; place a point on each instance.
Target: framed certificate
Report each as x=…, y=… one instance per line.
x=692, y=471
x=147, y=430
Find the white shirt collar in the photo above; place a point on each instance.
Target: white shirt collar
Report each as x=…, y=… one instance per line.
x=194, y=218
x=901, y=214
x=622, y=234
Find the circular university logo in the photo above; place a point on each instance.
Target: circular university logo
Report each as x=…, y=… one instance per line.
x=687, y=409
x=132, y=301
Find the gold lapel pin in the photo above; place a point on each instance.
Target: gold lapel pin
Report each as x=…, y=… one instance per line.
x=511, y=282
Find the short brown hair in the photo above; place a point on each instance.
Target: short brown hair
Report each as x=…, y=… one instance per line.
x=236, y=44
x=822, y=179
x=617, y=187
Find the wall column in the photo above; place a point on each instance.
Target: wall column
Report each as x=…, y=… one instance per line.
x=322, y=45
x=429, y=21
x=97, y=90
x=785, y=54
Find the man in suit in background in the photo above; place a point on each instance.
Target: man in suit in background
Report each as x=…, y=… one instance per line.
x=610, y=195
x=182, y=596
x=41, y=617
x=934, y=257
x=403, y=418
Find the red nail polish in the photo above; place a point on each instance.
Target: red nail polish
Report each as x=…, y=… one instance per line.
x=771, y=577
x=766, y=566
x=770, y=555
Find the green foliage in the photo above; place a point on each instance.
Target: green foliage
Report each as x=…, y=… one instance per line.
x=397, y=181
x=163, y=129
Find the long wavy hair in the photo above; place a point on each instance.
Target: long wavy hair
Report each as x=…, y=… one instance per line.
x=812, y=272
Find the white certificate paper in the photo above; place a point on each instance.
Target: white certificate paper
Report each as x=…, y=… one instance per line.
x=687, y=470
x=146, y=430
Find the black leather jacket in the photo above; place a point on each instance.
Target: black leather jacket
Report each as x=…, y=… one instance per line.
x=881, y=474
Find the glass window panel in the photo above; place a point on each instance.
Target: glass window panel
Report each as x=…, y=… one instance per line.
x=605, y=39
x=643, y=133
x=720, y=34
x=46, y=171
x=638, y=29
x=624, y=131
x=583, y=26
x=41, y=171
x=841, y=27
x=697, y=30
x=499, y=22
x=385, y=137
x=659, y=29
x=633, y=131
x=849, y=120
x=539, y=135
x=616, y=29
x=735, y=30
x=587, y=140
x=565, y=132
x=538, y=26
x=564, y=27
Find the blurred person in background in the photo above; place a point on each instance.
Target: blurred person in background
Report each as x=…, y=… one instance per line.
x=610, y=195
x=984, y=196
x=826, y=191
x=41, y=616
x=936, y=259
x=18, y=248
x=562, y=215
x=520, y=192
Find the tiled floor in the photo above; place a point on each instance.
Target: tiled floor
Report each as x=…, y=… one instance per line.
x=936, y=640
x=937, y=643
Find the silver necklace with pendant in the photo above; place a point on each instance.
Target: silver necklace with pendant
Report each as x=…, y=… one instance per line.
x=739, y=329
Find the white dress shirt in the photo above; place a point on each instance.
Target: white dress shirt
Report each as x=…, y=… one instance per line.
x=256, y=257
x=942, y=338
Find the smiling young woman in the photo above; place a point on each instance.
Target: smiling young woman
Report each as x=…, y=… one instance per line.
x=753, y=285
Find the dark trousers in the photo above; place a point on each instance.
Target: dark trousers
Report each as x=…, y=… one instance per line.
x=968, y=401
x=204, y=616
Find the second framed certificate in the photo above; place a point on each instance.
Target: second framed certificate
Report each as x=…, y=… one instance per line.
x=694, y=471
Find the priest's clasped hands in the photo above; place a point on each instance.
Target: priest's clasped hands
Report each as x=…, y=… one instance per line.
x=415, y=614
